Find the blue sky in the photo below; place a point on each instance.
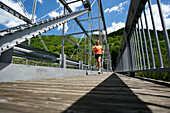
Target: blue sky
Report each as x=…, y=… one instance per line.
x=115, y=12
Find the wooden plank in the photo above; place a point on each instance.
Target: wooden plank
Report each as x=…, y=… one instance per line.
x=92, y=93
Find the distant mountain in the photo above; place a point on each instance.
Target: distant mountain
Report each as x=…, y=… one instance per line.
x=115, y=33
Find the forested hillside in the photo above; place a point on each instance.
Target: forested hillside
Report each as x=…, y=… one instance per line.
x=53, y=43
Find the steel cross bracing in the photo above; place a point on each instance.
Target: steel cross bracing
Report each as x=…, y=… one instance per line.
x=76, y=19
x=28, y=31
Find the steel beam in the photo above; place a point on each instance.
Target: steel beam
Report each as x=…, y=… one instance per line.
x=67, y=38
x=90, y=19
x=12, y=39
x=73, y=1
x=33, y=10
x=14, y=13
x=165, y=69
x=81, y=32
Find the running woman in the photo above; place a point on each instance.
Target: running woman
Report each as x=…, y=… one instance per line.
x=98, y=49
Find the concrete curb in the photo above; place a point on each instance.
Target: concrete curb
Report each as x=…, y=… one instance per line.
x=12, y=72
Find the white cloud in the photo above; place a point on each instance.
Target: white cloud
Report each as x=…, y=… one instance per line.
x=54, y=14
x=59, y=3
x=75, y=5
x=116, y=8
x=115, y=26
x=61, y=27
x=41, y=1
x=166, y=14
x=106, y=10
x=7, y=19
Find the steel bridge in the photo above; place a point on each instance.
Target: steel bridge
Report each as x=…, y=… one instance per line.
x=50, y=82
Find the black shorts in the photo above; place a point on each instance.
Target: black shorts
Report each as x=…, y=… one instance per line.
x=98, y=55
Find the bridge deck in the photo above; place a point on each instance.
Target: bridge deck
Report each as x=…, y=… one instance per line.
x=94, y=93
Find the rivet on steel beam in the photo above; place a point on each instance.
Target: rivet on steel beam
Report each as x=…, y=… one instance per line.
x=8, y=30
x=33, y=35
x=26, y=25
x=26, y=39
x=29, y=26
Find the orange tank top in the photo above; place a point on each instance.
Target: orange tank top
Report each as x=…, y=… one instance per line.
x=98, y=49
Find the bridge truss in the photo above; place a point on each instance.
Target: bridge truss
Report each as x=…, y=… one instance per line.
x=11, y=39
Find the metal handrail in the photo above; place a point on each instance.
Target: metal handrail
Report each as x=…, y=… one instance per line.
x=33, y=53
x=134, y=41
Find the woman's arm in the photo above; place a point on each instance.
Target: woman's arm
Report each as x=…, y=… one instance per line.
x=94, y=49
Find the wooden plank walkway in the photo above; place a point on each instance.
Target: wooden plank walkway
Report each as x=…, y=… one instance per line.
x=107, y=93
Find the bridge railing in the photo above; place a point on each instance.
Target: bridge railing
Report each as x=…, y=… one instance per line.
x=36, y=54
x=137, y=51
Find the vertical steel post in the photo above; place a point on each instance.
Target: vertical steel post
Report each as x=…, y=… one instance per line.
x=85, y=50
x=164, y=29
x=156, y=36
x=140, y=60
x=146, y=49
x=130, y=55
x=150, y=42
x=77, y=45
x=133, y=56
x=103, y=54
x=133, y=52
x=29, y=42
x=99, y=24
x=89, y=60
x=136, y=49
x=63, y=36
x=81, y=65
x=141, y=45
x=62, y=49
x=33, y=10
x=131, y=49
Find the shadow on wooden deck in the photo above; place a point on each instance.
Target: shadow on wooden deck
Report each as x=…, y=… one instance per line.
x=110, y=96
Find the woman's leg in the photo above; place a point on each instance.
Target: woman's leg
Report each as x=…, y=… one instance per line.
x=99, y=64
